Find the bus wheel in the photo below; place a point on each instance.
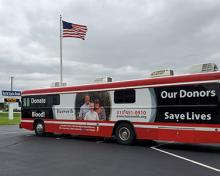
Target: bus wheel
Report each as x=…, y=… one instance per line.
x=125, y=134
x=39, y=129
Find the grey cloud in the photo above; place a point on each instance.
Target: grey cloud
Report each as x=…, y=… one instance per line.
x=125, y=39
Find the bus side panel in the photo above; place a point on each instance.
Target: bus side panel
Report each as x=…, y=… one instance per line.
x=145, y=133
x=106, y=131
x=27, y=125
x=176, y=135
x=165, y=134
x=102, y=129
x=65, y=129
x=207, y=137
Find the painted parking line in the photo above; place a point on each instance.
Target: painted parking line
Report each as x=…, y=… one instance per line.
x=186, y=159
x=13, y=132
x=28, y=135
x=99, y=142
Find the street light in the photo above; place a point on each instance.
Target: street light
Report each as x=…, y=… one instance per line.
x=12, y=78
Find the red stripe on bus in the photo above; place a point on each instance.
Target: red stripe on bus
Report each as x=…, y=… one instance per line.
x=132, y=83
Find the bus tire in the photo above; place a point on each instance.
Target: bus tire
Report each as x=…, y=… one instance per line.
x=125, y=133
x=39, y=128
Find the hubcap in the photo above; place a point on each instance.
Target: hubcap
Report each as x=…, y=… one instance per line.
x=124, y=133
x=39, y=128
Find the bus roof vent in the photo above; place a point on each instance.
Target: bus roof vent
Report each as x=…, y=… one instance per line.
x=201, y=68
x=57, y=84
x=103, y=80
x=162, y=73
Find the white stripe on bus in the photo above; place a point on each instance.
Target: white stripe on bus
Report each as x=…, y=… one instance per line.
x=31, y=121
x=178, y=127
x=72, y=123
x=136, y=126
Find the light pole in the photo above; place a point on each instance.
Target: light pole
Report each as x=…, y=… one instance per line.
x=10, y=105
x=12, y=78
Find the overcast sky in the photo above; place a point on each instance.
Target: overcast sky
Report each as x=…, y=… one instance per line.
x=126, y=39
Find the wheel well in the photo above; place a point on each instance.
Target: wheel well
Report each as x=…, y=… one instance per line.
x=122, y=121
x=37, y=121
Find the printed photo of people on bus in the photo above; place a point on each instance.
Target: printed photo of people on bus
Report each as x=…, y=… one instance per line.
x=92, y=106
x=84, y=108
x=91, y=114
x=100, y=110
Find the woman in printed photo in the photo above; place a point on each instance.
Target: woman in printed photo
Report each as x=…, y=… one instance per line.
x=100, y=110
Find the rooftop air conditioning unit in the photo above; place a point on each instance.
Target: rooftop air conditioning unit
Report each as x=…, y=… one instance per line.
x=201, y=68
x=57, y=84
x=162, y=73
x=103, y=80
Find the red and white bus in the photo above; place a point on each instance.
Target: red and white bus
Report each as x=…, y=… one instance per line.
x=184, y=108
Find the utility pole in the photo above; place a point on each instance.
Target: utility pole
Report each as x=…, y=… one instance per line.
x=10, y=104
x=12, y=78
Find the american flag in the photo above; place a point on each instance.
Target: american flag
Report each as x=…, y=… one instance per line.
x=74, y=30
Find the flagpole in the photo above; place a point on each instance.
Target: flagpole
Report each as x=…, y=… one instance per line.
x=61, y=58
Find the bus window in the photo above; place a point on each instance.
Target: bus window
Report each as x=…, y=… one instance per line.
x=24, y=102
x=28, y=102
x=124, y=96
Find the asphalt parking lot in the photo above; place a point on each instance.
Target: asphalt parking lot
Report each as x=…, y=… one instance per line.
x=22, y=153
